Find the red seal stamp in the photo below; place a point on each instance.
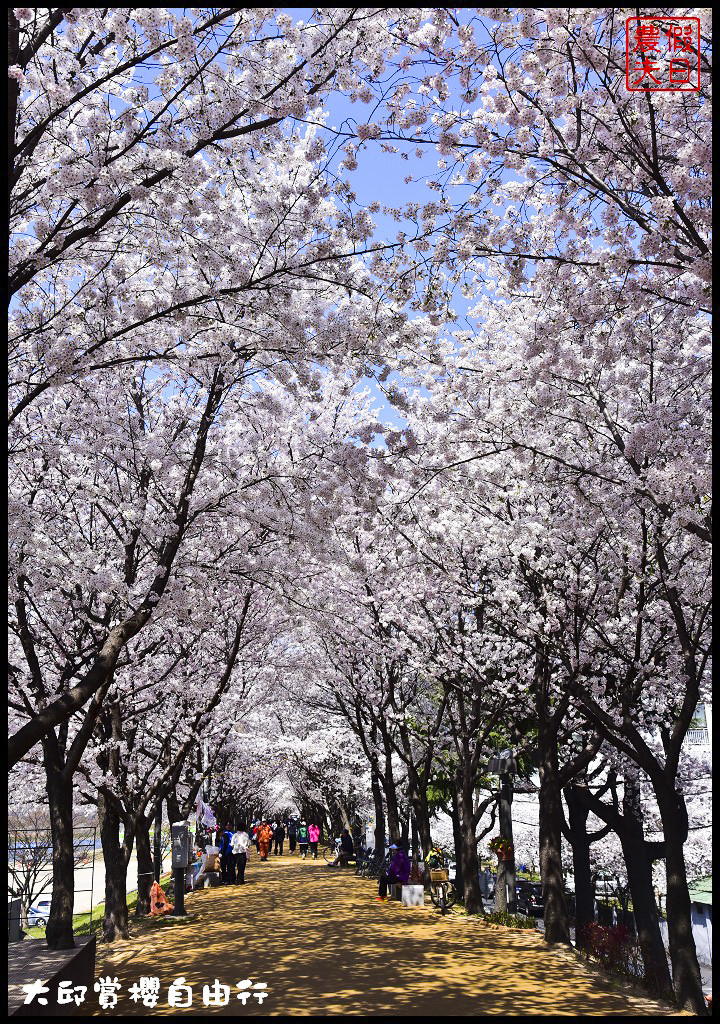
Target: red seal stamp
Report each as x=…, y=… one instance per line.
x=662, y=54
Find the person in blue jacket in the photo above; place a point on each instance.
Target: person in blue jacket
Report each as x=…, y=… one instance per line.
x=227, y=857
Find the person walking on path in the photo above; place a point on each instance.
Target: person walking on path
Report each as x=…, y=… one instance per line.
x=264, y=837
x=314, y=836
x=398, y=872
x=292, y=836
x=279, y=838
x=303, y=838
x=227, y=858
x=240, y=844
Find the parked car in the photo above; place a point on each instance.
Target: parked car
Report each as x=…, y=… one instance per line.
x=38, y=914
x=529, y=898
x=488, y=895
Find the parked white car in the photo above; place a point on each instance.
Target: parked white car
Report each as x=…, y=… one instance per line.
x=39, y=914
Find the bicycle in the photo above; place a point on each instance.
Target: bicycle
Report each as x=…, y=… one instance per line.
x=378, y=865
x=330, y=851
x=369, y=864
x=442, y=891
x=361, y=863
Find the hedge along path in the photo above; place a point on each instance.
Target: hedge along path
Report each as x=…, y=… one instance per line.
x=324, y=946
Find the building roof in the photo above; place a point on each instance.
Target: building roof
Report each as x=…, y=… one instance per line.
x=701, y=890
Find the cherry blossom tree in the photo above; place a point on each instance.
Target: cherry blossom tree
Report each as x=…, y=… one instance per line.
x=582, y=212
x=195, y=295
x=159, y=187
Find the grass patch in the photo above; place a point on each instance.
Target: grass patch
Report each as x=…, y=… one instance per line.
x=510, y=920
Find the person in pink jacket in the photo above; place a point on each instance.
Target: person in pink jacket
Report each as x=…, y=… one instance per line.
x=314, y=837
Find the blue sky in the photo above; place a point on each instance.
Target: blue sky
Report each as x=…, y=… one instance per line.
x=380, y=176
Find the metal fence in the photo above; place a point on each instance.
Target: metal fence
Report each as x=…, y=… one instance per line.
x=697, y=738
x=30, y=876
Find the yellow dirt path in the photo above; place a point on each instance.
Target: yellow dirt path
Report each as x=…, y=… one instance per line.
x=323, y=946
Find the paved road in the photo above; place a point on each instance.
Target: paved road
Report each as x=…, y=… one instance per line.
x=323, y=947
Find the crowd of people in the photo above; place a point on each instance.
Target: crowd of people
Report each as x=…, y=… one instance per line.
x=269, y=837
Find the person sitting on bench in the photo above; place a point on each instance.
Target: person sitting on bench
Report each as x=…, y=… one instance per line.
x=345, y=851
x=398, y=872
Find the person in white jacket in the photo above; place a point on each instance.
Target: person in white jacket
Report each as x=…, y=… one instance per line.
x=240, y=843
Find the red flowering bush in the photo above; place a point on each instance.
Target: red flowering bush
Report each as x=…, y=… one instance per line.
x=615, y=948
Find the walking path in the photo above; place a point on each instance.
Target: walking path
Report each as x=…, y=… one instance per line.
x=323, y=946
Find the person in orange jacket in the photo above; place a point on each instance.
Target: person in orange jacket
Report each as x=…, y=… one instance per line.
x=264, y=838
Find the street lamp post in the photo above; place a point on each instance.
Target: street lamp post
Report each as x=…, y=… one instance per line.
x=180, y=853
x=504, y=766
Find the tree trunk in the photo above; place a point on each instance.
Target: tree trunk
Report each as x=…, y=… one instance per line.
x=145, y=869
x=422, y=818
x=639, y=871
x=557, y=927
x=379, y=812
x=580, y=842
x=393, y=814
x=59, y=932
x=457, y=841
x=683, y=955
x=345, y=818
x=414, y=840
x=157, y=843
x=115, y=923
x=638, y=863
x=468, y=841
x=173, y=807
x=405, y=828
